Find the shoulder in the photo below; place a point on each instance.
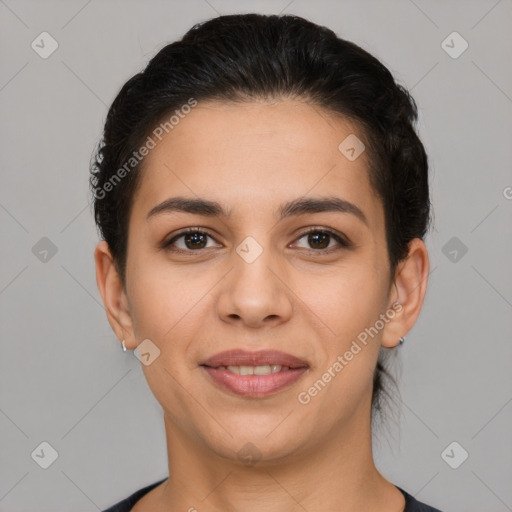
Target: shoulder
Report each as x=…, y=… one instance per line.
x=128, y=503
x=413, y=505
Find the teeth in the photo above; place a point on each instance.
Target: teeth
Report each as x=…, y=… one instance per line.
x=257, y=370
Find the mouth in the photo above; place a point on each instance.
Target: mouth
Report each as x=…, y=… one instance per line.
x=244, y=358
x=264, y=369
x=254, y=374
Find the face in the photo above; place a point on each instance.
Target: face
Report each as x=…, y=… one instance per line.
x=305, y=281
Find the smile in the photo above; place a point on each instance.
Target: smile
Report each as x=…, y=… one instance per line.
x=265, y=369
x=254, y=381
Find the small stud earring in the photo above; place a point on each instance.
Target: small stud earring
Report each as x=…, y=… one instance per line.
x=124, y=346
x=401, y=340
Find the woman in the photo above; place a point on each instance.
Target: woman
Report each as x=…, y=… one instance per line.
x=263, y=198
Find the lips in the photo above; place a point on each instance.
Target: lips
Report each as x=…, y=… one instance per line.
x=254, y=374
x=261, y=358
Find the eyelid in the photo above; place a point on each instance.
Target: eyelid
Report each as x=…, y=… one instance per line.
x=342, y=240
x=186, y=231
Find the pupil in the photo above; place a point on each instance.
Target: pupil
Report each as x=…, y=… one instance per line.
x=195, y=238
x=323, y=237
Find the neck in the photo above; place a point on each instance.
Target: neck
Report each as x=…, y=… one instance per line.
x=337, y=473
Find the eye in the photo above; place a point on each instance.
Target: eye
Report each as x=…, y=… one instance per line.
x=193, y=238
x=319, y=239
x=196, y=239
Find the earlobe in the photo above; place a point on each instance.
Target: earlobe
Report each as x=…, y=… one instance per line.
x=113, y=295
x=410, y=286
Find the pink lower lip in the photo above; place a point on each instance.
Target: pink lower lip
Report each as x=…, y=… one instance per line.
x=255, y=386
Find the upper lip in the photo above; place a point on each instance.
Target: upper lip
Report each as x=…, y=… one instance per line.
x=238, y=357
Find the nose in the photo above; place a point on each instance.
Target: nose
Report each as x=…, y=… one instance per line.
x=255, y=293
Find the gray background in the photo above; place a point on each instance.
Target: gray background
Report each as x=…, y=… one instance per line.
x=64, y=378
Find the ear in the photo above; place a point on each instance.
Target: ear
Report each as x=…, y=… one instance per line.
x=113, y=295
x=407, y=293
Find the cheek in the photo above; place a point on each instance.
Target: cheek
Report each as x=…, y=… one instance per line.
x=348, y=300
x=153, y=300
x=165, y=302
x=350, y=307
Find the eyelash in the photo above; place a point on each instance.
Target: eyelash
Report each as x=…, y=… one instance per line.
x=344, y=243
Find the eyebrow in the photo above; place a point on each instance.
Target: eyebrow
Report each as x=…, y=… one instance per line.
x=301, y=206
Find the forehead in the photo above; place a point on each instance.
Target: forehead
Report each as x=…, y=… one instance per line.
x=255, y=155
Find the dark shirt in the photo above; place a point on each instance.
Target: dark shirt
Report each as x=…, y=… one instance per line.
x=411, y=504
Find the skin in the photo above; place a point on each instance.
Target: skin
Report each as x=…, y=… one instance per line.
x=252, y=157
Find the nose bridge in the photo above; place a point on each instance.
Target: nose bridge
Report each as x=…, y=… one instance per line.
x=253, y=291
x=253, y=260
